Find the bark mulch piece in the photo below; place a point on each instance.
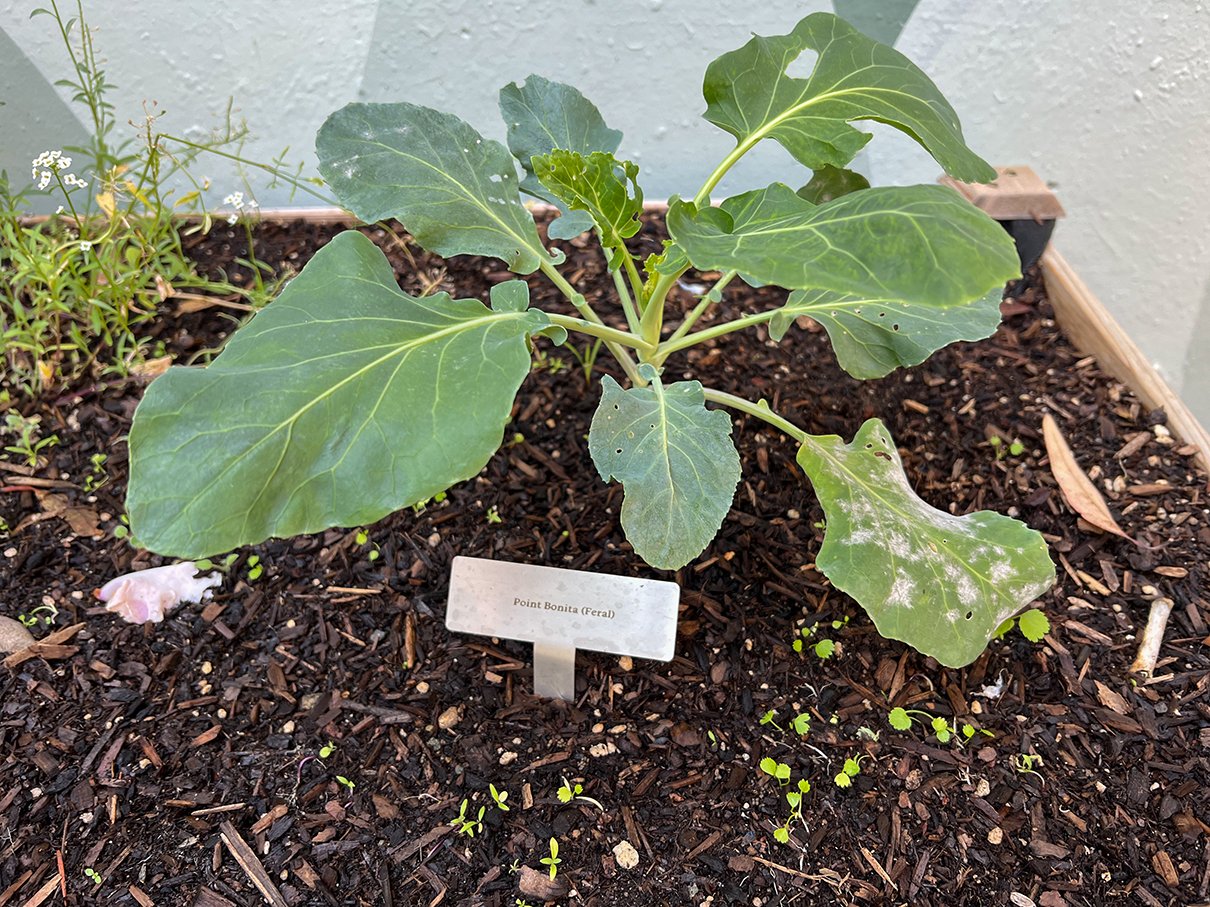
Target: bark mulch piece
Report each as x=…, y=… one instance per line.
x=182, y=761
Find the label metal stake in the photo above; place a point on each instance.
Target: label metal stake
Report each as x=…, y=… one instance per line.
x=560, y=611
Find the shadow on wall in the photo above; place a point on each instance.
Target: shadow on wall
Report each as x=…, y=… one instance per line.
x=882, y=20
x=1196, y=379
x=33, y=118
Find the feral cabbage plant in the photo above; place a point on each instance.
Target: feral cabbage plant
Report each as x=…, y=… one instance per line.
x=347, y=399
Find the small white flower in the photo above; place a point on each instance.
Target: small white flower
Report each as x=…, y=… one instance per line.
x=232, y=218
x=59, y=210
x=44, y=181
x=235, y=199
x=85, y=245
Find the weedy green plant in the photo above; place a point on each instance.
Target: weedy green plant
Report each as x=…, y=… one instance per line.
x=466, y=824
x=901, y=720
x=568, y=791
x=553, y=860
x=850, y=770
x=1033, y=624
x=27, y=443
x=349, y=399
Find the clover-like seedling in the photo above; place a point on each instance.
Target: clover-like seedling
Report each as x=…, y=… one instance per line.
x=794, y=798
x=568, y=791
x=357, y=399
x=327, y=750
x=553, y=860
x=851, y=769
x=1027, y=764
x=801, y=724
x=779, y=771
x=1033, y=625
x=770, y=718
x=92, y=875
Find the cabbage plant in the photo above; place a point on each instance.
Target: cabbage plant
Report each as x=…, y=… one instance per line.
x=346, y=398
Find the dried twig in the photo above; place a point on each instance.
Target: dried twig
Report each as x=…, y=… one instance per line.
x=1152, y=638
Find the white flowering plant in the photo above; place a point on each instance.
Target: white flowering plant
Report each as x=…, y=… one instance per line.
x=347, y=399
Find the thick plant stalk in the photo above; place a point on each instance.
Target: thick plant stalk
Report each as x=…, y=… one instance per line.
x=1153, y=637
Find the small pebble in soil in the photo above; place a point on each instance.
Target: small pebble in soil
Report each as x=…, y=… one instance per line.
x=508, y=758
x=626, y=663
x=597, y=750
x=450, y=717
x=626, y=855
x=995, y=835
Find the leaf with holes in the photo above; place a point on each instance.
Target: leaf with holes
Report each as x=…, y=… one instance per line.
x=676, y=460
x=343, y=400
x=454, y=191
x=750, y=94
x=938, y=582
x=543, y=115
x=873, y=337
x=600, y=185
x=921, y=245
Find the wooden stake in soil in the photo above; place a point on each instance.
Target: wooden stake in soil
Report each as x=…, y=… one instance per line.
x=251, y=866
x=1153, y=637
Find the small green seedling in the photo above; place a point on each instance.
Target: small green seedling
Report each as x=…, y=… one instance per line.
x=43, y=614
x=801, y=724
x=363, y=538
x=27, y=444
x=498, y=797
x=1033, y=625
x=774, y=769
x=553, y=860
x=1027, y=764
x=568, y=791
x=468, y=825
x=1016, y=448
x=255, y=568
x=851, y=769
x=794, y=798
x=327, y=750
x=493, y=515
x=346, y=782
x=901, y=720
x=770, y=718
x=97, y=476
x=93, y=876
x=825, y=649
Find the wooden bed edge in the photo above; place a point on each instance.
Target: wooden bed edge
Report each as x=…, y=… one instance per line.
x=1095, y=332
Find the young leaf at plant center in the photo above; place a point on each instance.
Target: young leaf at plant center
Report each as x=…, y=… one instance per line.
x=454, y=191
x=601, y=185
x=921, y=245
x=543, y=115
x=343, y=400
x=676, y=460
x=1033, y=625
x=873, y=337
x=938, y=582
x=829, y=182
x=749, y=93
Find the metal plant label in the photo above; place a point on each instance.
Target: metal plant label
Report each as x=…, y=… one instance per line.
x=560, y=611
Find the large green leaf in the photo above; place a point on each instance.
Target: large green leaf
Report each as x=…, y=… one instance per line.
x=543, y=115
x=677, y=461
x=873, y=337
x=941, y=583
x=828, y=183
x=343, y=400
x=749, y=94
x=601, y=185
x=915, y=244
x=455, y=191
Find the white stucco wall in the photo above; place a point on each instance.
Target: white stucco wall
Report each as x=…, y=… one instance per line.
x=1109, y=101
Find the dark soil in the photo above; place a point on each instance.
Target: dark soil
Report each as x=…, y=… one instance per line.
x=181, y=761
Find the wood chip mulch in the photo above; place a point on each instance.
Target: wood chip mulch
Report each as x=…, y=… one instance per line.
x=181, y=763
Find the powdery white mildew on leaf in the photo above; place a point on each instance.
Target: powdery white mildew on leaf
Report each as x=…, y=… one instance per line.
x=941, y=583
x=147, y=595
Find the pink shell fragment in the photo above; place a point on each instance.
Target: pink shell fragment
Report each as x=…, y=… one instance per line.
x=147, y=595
